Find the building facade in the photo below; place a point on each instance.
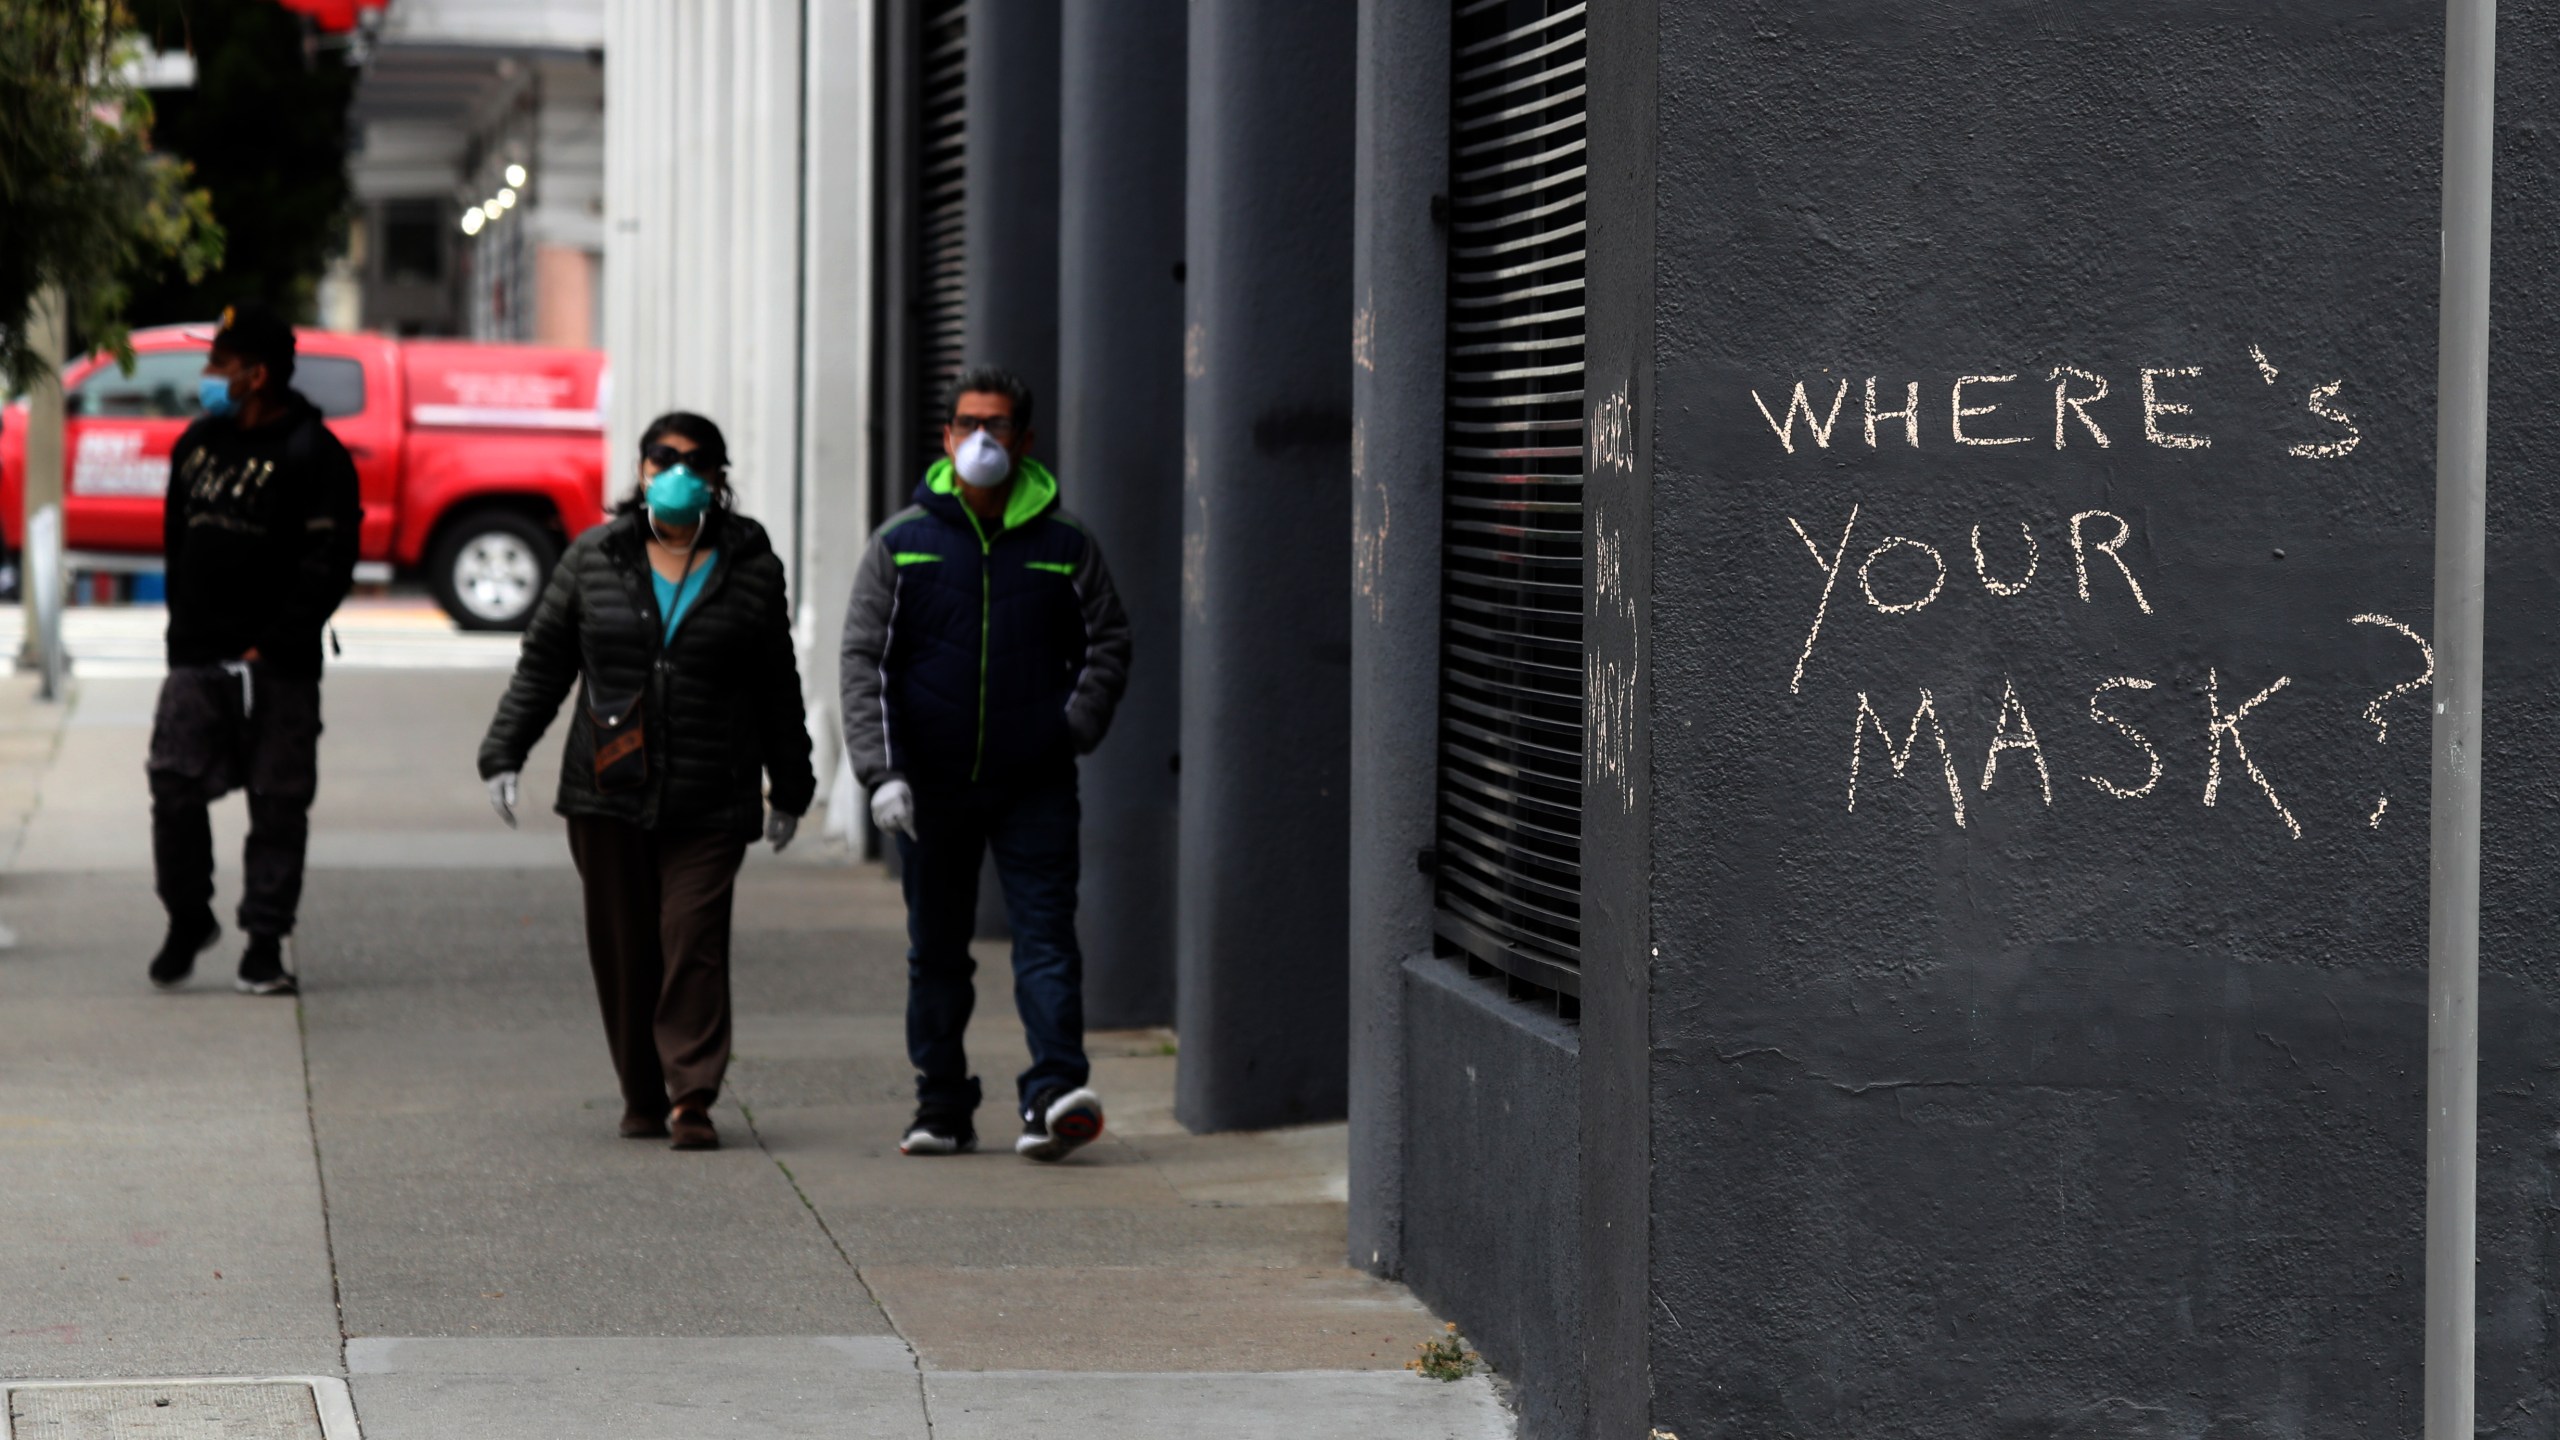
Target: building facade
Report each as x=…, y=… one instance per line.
x=738, y=277
x=1783, y=651
x=478, y=173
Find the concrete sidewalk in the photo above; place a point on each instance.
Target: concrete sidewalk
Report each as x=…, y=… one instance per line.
x=412, y=1181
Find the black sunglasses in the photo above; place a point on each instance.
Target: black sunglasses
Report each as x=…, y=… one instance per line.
x=668, y=457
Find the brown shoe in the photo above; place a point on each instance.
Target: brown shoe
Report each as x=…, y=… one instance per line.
x=644, y=1125
x=690, y=1126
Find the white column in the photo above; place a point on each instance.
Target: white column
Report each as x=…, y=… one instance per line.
x=836, y=449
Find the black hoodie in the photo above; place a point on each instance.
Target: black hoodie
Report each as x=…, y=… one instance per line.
x=260, y=537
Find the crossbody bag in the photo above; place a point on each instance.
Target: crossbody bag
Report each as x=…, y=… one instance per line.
x=622, y=731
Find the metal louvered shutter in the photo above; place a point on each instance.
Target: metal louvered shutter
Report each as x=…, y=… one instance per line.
x=942, y=177
x=1511, y=693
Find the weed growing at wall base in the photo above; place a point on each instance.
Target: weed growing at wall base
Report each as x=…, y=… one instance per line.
x=1447, y=1358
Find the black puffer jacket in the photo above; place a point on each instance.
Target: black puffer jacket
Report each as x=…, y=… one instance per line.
x=723, y=699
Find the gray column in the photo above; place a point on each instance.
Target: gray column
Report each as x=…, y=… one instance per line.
x=1399, y=276
x=1117, y=431
x=1266, y=565
x=1012, y=205
x=1618, y=852
x=1011, y=212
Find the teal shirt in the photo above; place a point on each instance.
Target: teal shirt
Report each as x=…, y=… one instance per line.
x=673, y=602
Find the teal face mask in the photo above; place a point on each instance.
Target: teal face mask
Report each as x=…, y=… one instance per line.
x=678, y=497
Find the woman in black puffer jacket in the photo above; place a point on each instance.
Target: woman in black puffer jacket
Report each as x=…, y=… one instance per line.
x=672, y=621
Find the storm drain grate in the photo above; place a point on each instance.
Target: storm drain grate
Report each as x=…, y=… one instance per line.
x=299, y=1408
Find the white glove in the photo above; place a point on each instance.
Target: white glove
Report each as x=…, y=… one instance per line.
x=779, y=828
x=502, y=797
x=893, y=807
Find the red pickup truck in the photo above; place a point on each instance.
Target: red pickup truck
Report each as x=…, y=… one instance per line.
x=477, y=462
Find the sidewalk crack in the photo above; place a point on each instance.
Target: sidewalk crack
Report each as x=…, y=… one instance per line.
x=320, y=1177
x=924, y=1396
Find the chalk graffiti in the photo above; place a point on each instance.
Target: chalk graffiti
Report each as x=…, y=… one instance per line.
x=1928, y=712
x=2022, y=738
x=2150, y=782
x=1982, y=567
x=2331, y=449
x=1830, y=577
x=2112, y=548
x=2066, y=404
x=2373, y=707
x=1820, y=429
x=2153, y=407
x=1890, y=581
x=2220, y=728
x=1866, y=582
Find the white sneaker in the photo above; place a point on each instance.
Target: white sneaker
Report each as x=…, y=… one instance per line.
x=935, y=1132
x=1057, y=1125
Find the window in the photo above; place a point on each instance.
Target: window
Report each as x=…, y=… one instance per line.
x=413, y=241
x=1511, y=698
x=942, y=185
x=335, y=385
x=161, y=387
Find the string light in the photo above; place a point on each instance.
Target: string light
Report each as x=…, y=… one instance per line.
x=473, y=219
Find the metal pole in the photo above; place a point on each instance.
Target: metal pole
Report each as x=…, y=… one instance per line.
x=40, y=577
x=2453, y=939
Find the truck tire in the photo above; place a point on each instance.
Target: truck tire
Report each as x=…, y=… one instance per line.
x=488, y=569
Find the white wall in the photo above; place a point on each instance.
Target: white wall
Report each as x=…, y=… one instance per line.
x=737, y=269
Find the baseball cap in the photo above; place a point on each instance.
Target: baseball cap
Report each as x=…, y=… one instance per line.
x=255, y=333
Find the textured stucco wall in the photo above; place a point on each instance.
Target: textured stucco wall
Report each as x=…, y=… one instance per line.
x=1973, y=1109
x=1399, y=340
x=1493, y=1183
x=2520, y=901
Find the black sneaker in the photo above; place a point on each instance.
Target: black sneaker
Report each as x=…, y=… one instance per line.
x=1059, y=1123
x=939, y=1132
x=177, y=958
x=262, y=969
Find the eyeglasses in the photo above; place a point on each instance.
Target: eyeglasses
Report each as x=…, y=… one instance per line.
x=668, y=457
x=1000, y=426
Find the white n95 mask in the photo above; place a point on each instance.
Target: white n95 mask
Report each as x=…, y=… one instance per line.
x=981, y=461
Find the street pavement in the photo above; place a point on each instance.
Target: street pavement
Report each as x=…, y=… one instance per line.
x=410, y=1182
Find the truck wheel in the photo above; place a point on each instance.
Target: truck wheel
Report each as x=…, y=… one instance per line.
x=488, y=570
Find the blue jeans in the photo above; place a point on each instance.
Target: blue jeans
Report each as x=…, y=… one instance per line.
x=1032, y=829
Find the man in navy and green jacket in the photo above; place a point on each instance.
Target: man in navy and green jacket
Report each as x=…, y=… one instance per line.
x=983, y=652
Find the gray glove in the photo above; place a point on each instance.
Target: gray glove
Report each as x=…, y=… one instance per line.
x=779, y=828
x=893, y=807
x=502, y=796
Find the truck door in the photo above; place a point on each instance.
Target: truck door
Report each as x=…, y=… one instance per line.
x=358, y=402
x=117, y=433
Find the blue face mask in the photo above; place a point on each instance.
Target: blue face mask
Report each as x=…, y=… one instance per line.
x=678, y=497
x=213, y=392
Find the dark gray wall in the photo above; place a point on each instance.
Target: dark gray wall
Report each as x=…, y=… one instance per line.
x=2520, y=907
x=1119, y=447
x=1495, y=1183
x=1398, y=334
x=1012, y=205
x=1619, y=637
x=2089, y=1115
x=1266, y=565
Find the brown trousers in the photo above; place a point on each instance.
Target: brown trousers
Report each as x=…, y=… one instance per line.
x=658, y=906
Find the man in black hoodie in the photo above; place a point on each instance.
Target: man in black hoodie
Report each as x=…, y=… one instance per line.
x=260, y=543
